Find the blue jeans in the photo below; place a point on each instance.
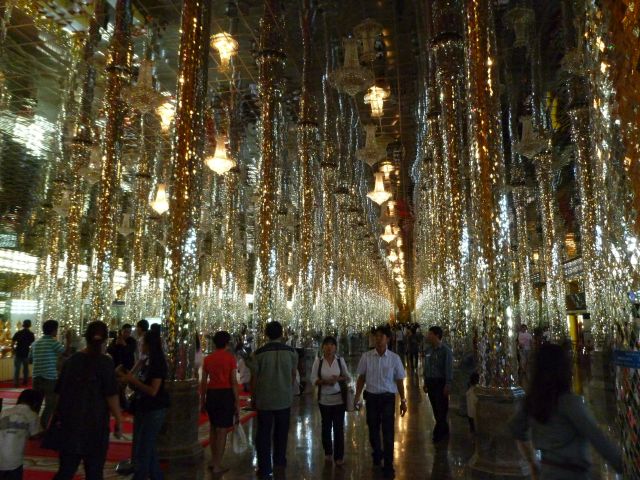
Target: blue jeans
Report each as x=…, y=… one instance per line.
x=18, y=363
x=146, y=428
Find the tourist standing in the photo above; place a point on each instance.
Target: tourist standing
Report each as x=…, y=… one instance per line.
x=525, y=342
x=329, y=373
x=142, y=327
x=273, y=374
x=123, y=348
x=17, y=425
x=558, y=423
x=21, y=344
x=381, y=376
x=438, y=375
x=219, y=396
x=44, y=354
x=88, y=392
x=150, y=406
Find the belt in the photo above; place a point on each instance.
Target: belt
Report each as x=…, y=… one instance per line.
x=570, y=467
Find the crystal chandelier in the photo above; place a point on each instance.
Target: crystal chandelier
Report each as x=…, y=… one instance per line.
x=375, y=98
x=226, y=46
x=387, y=168
x=520, y=19
x=161, y=203
x=166, y=112
x=125, y=229
x=379, y=194
x=220, y=162
x=367, y=32
x=393, y=256
x=388, y=235
x=142, y=96
x=351, y=77
x=91, y=172
x=61, y=207
x=388, y=214
x=372, y=152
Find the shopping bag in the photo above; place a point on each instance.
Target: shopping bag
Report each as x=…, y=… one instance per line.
x=239, y=441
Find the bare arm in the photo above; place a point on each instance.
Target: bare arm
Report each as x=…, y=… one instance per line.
x=526, y=449
x=113, y=402
x=359, y=387
x=234, y=386
x=203, y=388
x=151, y=390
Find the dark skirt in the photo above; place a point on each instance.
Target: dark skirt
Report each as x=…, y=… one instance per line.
x=221, y=407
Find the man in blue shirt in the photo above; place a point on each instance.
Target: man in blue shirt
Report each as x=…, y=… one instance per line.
x=438, y=375
x=382, y=372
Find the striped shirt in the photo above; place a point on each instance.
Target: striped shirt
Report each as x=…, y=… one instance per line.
x=45, y=352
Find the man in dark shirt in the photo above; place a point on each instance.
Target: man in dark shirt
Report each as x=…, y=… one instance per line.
x=123, y=348
x=438, y=375
x=21, y=343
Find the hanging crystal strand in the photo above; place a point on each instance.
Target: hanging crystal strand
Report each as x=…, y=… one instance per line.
x=307, y=146
x=447, y=47
x=497, y=396
x=555, y=304
x=80, y=151
x=271, y=62
x=118, y=73
x=616, y=243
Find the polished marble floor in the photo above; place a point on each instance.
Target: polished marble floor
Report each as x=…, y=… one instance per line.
x=415, y=454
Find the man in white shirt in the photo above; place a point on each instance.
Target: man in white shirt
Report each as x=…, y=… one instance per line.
x=17, y=424
x=382, y=372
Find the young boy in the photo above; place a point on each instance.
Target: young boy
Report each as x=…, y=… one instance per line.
x=17, y=424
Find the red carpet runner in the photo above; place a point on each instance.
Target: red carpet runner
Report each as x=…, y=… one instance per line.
x=41, y=464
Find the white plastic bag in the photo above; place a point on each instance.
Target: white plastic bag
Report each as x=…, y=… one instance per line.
x=239, y=441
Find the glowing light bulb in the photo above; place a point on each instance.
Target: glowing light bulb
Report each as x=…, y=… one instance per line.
x=388, y=235
x=226, y=46
x=166, y=112
x=161, y=202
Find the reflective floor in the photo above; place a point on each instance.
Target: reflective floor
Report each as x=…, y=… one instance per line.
x=416, y=457
x=415, y=454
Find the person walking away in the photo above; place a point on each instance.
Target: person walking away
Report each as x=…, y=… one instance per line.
x=150, y=407
x=558, y=423
x=438, y=375
x=401, y=346
x=17, y=425
x=381, y=375
x=244, y=374
x=472, y=400
x=219, y=396
x=123, y=348
x=88, y=392
x=415, y=340
x=525, y=342
x=330, y=374
x=21, y=344
x=44, y=354
x=273, y=373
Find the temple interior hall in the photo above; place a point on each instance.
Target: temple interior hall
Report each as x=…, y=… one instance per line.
x=319, y=239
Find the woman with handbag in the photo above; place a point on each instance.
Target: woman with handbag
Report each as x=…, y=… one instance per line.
x=150, y=407
x=329, y=373
x=88, y=392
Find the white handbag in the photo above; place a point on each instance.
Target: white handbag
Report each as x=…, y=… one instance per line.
x=239, y=441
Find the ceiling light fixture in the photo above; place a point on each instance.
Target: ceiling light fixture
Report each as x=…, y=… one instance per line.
x=166, y=112
x=367, y=32
x=375, y=98
x=379, y=194
x=372, y=152
x=226, y=46
x=220, y=162
x=161, y=202
x=388, y=235
x=351, y=78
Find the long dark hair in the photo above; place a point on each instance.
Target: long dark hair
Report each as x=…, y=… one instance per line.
x=154, y=345
x=551, y=378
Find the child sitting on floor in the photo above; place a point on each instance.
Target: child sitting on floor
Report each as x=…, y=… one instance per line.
x=17, y=425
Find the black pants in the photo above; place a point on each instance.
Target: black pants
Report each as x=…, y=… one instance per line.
x=333, y=421
x=15, y=474
x=439, y=404
x=272, y=430
x=381, y=411
x=413, y=359
x=93, y=465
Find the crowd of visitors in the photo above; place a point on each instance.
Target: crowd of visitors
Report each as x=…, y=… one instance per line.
x=81, y=392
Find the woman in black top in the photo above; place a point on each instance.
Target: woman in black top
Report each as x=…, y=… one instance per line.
x=150, y=407
x=88, y=392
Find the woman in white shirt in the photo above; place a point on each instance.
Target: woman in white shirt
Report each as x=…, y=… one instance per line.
x=329, y=373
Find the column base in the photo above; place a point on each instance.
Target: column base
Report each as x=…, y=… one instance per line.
x=178, y=444
x=496, y=454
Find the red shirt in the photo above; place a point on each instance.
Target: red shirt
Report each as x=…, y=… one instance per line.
x=219, y=366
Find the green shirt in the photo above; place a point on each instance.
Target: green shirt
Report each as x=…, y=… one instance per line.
x=272, y=367
x=45, y=352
